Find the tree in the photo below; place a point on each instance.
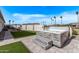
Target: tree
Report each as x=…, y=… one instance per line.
x=55, y=19
x=61, y=19
x=13, y=22
x=52, y=20
x=77, y=15
x=9, y=22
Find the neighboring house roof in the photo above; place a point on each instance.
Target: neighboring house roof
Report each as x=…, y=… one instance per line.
x=16, y=24
x=74, y=23
x=32, y=24
x=1, y=16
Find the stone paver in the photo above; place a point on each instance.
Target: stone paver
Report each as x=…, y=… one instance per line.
x=72, y=47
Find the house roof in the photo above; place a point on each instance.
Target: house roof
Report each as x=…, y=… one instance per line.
x=16, y=24
x=1, y=16
x=74, y=23
x=32, y=24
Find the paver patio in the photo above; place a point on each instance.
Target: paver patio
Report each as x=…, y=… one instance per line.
x=72, y=47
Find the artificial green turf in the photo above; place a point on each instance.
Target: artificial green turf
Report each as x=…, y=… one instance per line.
x=17, y=47
x=19, y=34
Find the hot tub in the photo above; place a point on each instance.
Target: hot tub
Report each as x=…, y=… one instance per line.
x=56, y=35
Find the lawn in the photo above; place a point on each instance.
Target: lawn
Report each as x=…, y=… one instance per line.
x=19, y=34
x=76, y=31
x=17, y=47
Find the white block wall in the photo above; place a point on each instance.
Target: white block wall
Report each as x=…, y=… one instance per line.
x=29, y=27
x=32, y=27
x=38, y=27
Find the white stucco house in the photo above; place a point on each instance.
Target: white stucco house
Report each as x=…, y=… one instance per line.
x=2, y=21
x=32, y=26
x=2, y=24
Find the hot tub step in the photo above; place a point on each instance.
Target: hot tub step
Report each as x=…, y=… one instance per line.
x=44, y=44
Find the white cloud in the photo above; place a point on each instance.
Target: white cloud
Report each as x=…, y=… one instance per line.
x=68, y=17
x=25, y=16
x=30, y=17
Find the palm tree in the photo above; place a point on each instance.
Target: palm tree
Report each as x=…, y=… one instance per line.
x=77, y=15
x=9, y=22
x=61, y=19
x=55, y=19
x=13, y=22
x=52, y=20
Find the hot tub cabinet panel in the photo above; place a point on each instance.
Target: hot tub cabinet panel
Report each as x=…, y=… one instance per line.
x=64, y=37
x=59, y=39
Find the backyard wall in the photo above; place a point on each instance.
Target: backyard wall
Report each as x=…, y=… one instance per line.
x=32, y=27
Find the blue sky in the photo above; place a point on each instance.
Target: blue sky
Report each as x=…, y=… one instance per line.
x=40, y=14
